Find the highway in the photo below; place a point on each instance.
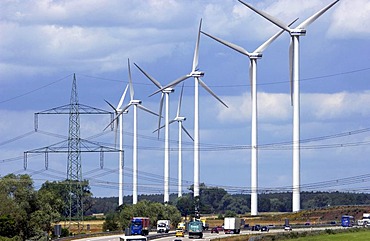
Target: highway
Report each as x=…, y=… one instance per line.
x=209, y=236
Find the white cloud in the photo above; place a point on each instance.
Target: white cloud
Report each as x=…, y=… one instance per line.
x=350, y=19
x=276, y=107
x=343, y=105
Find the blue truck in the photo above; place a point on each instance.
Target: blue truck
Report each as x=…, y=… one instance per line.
x=347, y=221
x=140, y=226
x=195, y=229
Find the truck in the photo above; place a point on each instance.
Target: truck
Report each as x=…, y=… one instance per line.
x=181, y=225
x=347, y=221
x=163, y=226
x=365, y=221
x=195, y=229
x=140, y=226
x=232, y=225
x=205, y=224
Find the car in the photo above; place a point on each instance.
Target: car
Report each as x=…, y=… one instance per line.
x=180, y=233
x=264, y=229
x=214, y=230
x=288, y=228
x=220, y=228
x=256, y=227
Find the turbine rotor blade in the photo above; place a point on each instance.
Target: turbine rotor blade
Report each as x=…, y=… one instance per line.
x=161, y=127
x=172, y=84
x=183, y=128
x=110, y=123
x=160, y=112
x=124, y=109
x=118, y=115
x=228, y=44
x=311, y=19
x=149, y=77
x=261, y=48
x=196, y=51
x=115, y=136
x=130, y=81
x=180, y=99
x=268, y=17
x=291, y=70
x=122, y=98
x=115, y=110
x=210, y=91
x=147, y=110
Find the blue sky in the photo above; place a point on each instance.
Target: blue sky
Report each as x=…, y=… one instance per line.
x=44, y=42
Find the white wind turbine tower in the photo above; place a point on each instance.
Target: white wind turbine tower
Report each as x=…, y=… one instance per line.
x=165, y=92
x=196, y=74
x=253, y=56
x=119, y=124
x=179, y=119
x=295, y=33
x=136, y=104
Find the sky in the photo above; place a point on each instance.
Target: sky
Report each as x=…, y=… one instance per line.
x=43, y=43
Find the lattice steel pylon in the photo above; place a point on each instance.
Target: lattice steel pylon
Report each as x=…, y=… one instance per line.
x=74, y=167
x=74, y=170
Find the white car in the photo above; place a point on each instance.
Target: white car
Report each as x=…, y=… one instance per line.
x=288, y=228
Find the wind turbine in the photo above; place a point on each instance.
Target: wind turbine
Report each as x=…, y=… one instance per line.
x=136, y=104
x=295, y=33
x=165, y=92
x=119, y=124
x=179, y=119
x=253, y=57
x=196, y=74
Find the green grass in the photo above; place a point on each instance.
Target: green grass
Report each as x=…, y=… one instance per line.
x=348, y=236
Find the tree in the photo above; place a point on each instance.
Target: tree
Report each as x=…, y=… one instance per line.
x=144, y=208
x=19, y=197
x=264, y=204
x=211, y=198
x=111, y=222
x=62, y=190
x=185, y=205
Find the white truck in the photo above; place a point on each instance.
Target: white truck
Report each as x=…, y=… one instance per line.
x=163, y=226
x=232, y=225
x=365, y=221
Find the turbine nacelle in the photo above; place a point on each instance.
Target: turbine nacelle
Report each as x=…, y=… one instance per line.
x=197, y=74
x=298, y=32
x=124, y=112
x=135, y=102
x=255, y=55
x=180, y=118
x=168, y=90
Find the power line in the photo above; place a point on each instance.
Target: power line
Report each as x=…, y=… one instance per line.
x=34, y=90
x=214, y=86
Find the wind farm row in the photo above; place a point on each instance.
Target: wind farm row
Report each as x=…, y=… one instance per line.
x=251, y=96
x=295, y=33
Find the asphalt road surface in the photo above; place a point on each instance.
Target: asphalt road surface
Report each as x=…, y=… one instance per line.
x=209, y=236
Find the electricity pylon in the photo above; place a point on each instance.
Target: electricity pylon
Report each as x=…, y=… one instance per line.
x=74, y=168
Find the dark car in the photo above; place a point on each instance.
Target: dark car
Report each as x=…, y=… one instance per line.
x=256, y=227
x=264, y=229
x=214, y=230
